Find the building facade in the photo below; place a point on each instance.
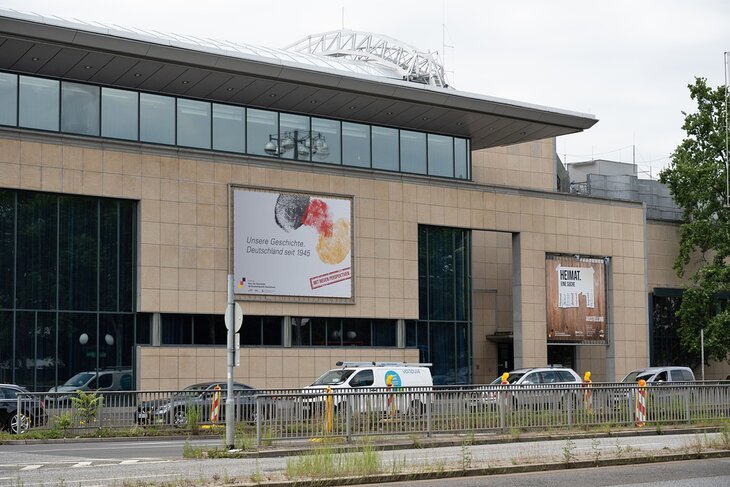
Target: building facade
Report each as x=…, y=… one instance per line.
x=364, y=213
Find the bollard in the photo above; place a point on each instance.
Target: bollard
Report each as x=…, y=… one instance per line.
x=215, y=404
x=329, y=413
x=588, y=393
x=641, y=404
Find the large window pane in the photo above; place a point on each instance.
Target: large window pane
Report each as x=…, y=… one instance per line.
x=7, y=248
x=294, y=140
x=262, y=130
x=176, y=329
x=25, y=349
x=6, y=347
x=301, y=332
x=385, y=148
x=326, y=140
x=36, y=263
x=440, y=155
x=39, y=103
x=251, y=330
x=109, y=229
x=156, y=119
x=209, y=330
x=8, y=99
x=45, y=351
x=78, y=253
x=412, y=152
x=384, y=332
x=355, y=144
x=271, y=330
x=119, y=113
x=127, y=254
x=116, y=341
x=193, y=123
x=356, y=333
x=443, y=353
x=461, y=159
x=319, y=332
x=79, y=108
x=229, y=128
x=77, y=344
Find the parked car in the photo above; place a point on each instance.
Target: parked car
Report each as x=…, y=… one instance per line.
x=660, y=374
x=531, y=386
x=32, y=412
x=174, y=410
x=91, y=381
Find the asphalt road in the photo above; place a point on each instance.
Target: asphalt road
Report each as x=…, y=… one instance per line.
x=158, y=461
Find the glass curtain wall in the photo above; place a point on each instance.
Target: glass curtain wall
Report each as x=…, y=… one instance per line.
x=67, y=286
x=443, y=332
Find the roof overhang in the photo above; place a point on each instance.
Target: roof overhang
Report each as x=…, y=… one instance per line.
x=84, y=52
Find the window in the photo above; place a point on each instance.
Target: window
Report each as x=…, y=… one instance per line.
x=261, y=127
x=364, y=378
x=39, y=103
x=119, y=114
x=261, y=330
x=156, y=119
x=56, y=319
x=193, y=123
x=385, y=148
x=229, y=128
x=80, y=108
x=413, y=152
x=355, y=144
x=86, y=109
x=461, y=158
x=8, y=99
x=440, y=155
x=325, y=140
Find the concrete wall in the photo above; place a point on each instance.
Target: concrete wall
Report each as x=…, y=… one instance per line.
x=183, y=234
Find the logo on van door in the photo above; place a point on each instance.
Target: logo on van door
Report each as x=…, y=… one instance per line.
x=394, y=378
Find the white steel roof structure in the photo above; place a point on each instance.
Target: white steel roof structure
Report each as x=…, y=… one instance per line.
x=411, y=64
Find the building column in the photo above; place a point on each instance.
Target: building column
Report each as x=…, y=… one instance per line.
x=528, y=302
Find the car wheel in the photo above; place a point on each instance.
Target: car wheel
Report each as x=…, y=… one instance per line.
x=418, y=408
x=179, y=417
x=19, y=423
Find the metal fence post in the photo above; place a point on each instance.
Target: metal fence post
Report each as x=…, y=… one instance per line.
x=687, y=405
x=429, y=403
x=500, y=408
x=258, y=420
x=348, y=407
x=632, y=403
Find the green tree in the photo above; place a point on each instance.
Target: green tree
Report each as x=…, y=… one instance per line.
x=696, y=178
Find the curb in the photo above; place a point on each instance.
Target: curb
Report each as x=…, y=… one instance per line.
x=477, y=472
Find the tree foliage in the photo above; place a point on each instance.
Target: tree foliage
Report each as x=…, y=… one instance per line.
x=697, y=179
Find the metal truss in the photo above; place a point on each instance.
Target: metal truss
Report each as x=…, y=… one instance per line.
x=411, y=64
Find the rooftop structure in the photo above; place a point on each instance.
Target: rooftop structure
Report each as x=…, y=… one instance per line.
x=336, y=85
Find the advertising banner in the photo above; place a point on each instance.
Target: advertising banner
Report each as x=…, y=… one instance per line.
x=576, y=299
x=292, y=244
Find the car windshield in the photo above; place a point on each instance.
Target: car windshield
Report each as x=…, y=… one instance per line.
x=510, y=380
x=79, y=379
x=631, y=377
x=333, y=377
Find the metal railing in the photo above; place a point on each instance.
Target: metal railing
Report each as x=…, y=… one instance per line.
x=297, y=414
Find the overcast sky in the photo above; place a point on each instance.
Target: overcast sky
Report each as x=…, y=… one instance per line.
x=628, y=62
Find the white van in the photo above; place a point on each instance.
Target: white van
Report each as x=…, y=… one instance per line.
x=375, y=386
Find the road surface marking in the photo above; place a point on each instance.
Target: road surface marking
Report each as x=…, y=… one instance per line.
x=31, y=467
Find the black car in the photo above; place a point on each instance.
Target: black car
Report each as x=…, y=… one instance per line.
x=32, y=410
x=174, y=410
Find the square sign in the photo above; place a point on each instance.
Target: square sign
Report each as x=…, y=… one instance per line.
x=292, y=244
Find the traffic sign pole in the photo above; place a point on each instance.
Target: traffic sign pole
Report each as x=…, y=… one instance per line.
x=230, y=404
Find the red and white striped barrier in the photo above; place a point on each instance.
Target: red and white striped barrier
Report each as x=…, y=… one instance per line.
x=641, y=404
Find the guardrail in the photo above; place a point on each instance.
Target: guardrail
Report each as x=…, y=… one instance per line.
x=281, y=415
